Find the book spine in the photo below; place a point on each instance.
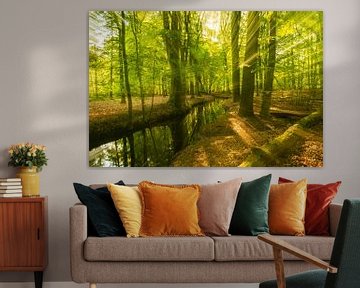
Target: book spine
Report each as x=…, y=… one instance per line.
x=10, y=180
x=10, y=183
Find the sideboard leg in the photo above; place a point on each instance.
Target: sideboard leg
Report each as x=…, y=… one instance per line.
x=92, y=285
x=38, y=279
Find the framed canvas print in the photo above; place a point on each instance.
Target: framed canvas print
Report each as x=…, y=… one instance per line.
x=205, y=88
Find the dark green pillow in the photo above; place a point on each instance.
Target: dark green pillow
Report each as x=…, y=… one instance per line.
x=250, y=216
x=102, y=215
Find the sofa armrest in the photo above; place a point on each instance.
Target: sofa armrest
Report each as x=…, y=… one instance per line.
x=334, y=217
x=78, y=235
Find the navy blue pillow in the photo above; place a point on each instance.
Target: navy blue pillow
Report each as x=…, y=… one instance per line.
x=102, y=214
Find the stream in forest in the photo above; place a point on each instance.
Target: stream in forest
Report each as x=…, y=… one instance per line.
x=156, y=146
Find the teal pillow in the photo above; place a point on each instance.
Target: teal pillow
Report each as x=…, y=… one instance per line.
x=250, y=216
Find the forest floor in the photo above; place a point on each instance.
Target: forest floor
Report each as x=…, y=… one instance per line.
x=232, y=140
x=106, y=109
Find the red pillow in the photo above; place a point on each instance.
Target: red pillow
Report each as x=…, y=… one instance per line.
x=319, y=197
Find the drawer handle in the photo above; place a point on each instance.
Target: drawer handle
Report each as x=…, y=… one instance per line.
x=38, y=234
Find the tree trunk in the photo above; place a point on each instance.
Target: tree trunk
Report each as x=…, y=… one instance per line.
x=293, y=74
x=135, y=30
x=192, y=45
x=185, y=46
x=172, y=39
x=117, y=156
x=251, y=52
x=121, y=74
x=125, y=153
x=132, y=150
x=126, y=69
x=321, y=58
x=120, y=61
x=235, y=29
x=96, y=84
x=145, y=151
x=111, y=71
x=269, y=74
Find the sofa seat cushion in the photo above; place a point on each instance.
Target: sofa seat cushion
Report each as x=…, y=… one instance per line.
x=244, y=248
x=149, y=249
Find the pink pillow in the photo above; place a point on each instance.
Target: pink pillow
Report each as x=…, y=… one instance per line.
x=319, y=197
x=216, y=206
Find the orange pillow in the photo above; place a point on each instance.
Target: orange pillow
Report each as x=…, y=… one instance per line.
x=287, y=204
x=169, y=210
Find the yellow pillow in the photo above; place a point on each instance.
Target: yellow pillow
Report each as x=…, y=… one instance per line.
x=287, y=204
x=169, y=210
x=127, y=201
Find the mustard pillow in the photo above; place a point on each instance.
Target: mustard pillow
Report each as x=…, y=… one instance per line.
x=287, y=204
x=127, y=201
x=169, y=210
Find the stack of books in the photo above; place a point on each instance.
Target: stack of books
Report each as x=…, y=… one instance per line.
x=10, y=187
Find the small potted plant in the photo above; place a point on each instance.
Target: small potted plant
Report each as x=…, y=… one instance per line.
x=30, y=158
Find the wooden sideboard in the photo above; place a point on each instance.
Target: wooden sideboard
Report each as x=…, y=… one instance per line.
x=23, y=235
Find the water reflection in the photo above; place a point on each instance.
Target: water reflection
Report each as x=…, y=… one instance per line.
x=155, y=146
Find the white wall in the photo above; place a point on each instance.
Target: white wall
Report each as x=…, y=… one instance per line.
x=43, y=90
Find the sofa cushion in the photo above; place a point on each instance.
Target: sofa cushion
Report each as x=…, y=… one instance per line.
x=127, y=201
x=216, y=205
x=245, y=248
x=287, y=204
x=318, y=199
x=169, y=210
x=149, y=249
x=102, y=215
x=250, y=215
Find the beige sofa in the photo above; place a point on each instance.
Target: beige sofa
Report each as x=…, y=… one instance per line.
x=234, y=259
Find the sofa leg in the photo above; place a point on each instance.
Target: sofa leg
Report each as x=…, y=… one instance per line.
x=92, y=285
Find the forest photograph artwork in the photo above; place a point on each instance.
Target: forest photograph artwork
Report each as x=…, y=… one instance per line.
x=205, y=88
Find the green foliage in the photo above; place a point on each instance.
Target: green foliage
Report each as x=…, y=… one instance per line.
x=27, y=155
x=205, y=52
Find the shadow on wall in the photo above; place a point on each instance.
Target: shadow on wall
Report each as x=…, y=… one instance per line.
x=43, y=77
